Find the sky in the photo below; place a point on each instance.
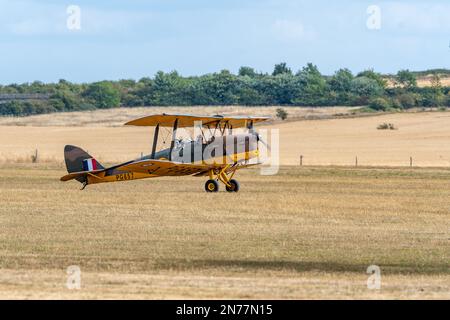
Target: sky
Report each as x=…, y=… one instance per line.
x=40, y=40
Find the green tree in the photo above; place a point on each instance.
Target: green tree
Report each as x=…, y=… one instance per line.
x=365, y=89
x=312, y=88
x=406, y=79
x=169, y=89
x=247, y=71
x=341, y=80
x=64, y=85
x=341, y=85
x=437, y=92
x=11, y=108
x=66, y=99
x=37, y=87
x=374, y=76
x=280, y=89
x=218, y=89
x=102, y=95
x=281, y=68
x=248, y=93
x=142, y=94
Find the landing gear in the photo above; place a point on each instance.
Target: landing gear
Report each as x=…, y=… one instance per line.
x=223, y=175
x=211, y=186
x=234, y=186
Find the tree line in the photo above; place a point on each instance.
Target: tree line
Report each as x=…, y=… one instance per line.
x=306, y=87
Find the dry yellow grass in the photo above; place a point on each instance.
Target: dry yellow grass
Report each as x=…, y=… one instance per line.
x=424, y=135
x=117, y=117
x=305, y=233
x=423, y=81
x=426, y=81
x=308, y=232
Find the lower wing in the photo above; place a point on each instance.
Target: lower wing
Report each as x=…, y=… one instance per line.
x=162, y=168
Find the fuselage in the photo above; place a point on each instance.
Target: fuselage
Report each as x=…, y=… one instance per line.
x=219, y=151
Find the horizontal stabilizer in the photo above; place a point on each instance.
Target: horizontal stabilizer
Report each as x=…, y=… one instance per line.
x=80, y=176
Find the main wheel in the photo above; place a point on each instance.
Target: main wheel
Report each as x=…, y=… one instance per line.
x=211, y=186
x=234, y=186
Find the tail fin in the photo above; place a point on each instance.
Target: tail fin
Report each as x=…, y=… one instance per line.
x=78, y=160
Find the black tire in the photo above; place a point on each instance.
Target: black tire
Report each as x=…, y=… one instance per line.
x=211, y=186
x=234, y=186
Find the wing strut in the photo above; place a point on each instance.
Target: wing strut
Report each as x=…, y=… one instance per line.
x=155, y=142
x=172, y=144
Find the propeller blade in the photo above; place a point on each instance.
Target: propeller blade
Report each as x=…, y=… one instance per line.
x=265, y=144
x=259, y=139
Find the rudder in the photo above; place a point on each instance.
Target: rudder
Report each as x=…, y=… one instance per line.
x=75, y=160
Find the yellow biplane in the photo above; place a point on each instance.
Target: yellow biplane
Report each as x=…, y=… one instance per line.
x=216, y=152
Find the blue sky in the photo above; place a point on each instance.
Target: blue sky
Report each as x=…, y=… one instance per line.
x=136, y=38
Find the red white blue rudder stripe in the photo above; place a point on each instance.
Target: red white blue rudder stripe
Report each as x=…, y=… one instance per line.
x=89, y=164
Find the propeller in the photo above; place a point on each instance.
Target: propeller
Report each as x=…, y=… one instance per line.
x=259, y=139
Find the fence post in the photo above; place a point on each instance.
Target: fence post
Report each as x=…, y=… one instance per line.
x=301, y=160
x=356, y=161
x=410, y=162
x=34, y=158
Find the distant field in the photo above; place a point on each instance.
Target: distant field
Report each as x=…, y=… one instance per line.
x=305, y=233
x=425, y=81
x=425, y=136
x=117, y=117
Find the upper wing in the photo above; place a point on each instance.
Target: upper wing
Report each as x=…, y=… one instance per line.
x=163, y=168
x=167, y=120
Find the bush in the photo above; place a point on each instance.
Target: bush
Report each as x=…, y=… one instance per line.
x=386, y=126
x=395, y=104
x=365, y=89
x=380, y=104
x=13, y=108
x=25, y=108
x=282, y=114
x=408, y=100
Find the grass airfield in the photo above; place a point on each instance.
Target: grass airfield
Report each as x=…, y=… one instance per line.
x=308, y=232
